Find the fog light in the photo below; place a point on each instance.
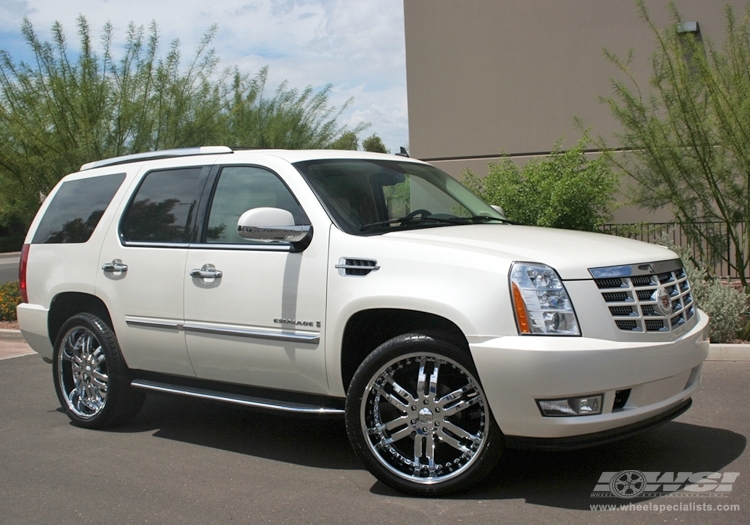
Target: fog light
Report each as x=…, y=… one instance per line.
x=574, y=406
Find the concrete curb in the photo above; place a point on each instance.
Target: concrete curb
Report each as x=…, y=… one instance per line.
x=726, y=352
x=13, y=335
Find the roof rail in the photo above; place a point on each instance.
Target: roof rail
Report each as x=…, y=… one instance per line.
x=162, y=154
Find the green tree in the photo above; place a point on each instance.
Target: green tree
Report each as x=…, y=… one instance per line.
x=565, y=190
x=64, y=109
x=347, y=141
x=686, y=135
x=374, y=144
x=290, y=119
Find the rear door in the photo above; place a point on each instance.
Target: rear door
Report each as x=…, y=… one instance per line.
x=142, y=267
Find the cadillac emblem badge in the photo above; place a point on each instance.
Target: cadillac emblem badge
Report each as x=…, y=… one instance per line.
x=663, y=302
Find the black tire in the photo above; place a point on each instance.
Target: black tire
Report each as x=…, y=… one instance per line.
x=406, y=428
x=90, y=374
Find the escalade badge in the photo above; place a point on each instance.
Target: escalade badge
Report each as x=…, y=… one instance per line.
x=311, y=324
x=663, y=302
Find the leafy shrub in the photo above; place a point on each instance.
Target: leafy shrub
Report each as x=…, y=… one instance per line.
x=565, y=190
x=745, y=333
x=723, y=304
x=10, y=297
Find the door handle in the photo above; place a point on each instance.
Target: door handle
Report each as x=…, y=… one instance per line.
x=207, y=271
x=115, y=266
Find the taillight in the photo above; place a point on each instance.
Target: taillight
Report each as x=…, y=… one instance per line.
x=22, y=273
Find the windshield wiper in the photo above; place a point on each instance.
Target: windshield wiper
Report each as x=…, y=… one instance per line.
x=483, y=218
x=474, y=219
x=404, y=220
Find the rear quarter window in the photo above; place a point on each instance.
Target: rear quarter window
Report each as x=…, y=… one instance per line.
x=75, y=210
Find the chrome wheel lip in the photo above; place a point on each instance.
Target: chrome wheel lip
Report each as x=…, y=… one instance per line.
x=429, y=412
x=82, y=373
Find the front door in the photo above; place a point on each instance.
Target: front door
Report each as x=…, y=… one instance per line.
x=254, y=310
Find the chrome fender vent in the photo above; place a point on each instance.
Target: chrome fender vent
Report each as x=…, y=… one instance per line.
x=356, y=267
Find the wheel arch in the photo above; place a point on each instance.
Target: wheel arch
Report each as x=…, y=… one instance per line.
x=67, y=304
x=368, y=329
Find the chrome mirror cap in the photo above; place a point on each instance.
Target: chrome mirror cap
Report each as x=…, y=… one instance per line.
x=271, y=224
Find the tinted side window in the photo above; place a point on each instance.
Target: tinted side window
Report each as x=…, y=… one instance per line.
x=242, y=188
x=76, y=208
x=164, y=206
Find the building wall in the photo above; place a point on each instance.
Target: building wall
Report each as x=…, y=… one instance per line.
x=486, y=77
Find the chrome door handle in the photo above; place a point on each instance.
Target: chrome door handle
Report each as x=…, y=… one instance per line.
x=208, y=271
x=115, y=266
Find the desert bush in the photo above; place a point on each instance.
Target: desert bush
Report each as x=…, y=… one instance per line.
x=10, y=297
x=724, y=305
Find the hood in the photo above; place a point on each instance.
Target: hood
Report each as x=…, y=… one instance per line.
x=569, y=252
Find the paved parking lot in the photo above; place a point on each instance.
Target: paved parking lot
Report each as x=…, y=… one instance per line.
x=182, y=461
x=9, y=267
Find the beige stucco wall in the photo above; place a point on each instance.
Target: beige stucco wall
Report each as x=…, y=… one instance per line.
x=510, y=76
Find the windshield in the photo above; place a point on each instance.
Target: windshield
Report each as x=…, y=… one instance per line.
x=365, y=196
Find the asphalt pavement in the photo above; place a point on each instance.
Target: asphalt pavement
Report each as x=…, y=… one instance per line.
x=9, y=266
x=187, y=461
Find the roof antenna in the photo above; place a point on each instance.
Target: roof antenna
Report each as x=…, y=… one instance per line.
x=403, y=152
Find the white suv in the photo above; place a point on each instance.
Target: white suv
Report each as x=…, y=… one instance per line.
x=345, y=283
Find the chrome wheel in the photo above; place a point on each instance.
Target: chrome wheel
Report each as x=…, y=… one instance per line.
x=91, y=377
x=418, y=418
x=425, y=418
x=82, y=370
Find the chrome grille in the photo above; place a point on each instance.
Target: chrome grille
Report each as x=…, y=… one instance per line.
x=657, y=300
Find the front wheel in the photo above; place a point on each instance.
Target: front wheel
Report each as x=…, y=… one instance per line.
x=90, y=374
x=418, y=418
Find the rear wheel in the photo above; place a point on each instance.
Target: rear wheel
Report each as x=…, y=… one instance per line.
x=90, y=375
x=418, y=418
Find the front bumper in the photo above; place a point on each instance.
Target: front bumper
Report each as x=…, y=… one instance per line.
x=516, y=371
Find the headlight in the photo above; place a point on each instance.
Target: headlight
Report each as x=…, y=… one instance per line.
x=540, y=302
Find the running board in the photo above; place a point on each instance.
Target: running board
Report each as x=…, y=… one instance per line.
x=238, y=399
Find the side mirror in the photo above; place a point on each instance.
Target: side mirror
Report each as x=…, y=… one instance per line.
x=273, y=224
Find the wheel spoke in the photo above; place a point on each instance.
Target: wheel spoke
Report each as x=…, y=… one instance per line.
x=456, y=394
x=462, y=405
x=85, y=342
x=421, y=379
x=73, y=395
x=398, y=436
x=434, y=380
x=445, y=438
x=429, y=452
x=458, y=431
x=71, y=350
x=400, y=391
x=418, y=449
x=100, y=379
x=393, y=400
x=391, y=425
x=99, y=357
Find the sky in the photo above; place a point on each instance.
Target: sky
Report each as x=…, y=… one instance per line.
x=357, y=46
